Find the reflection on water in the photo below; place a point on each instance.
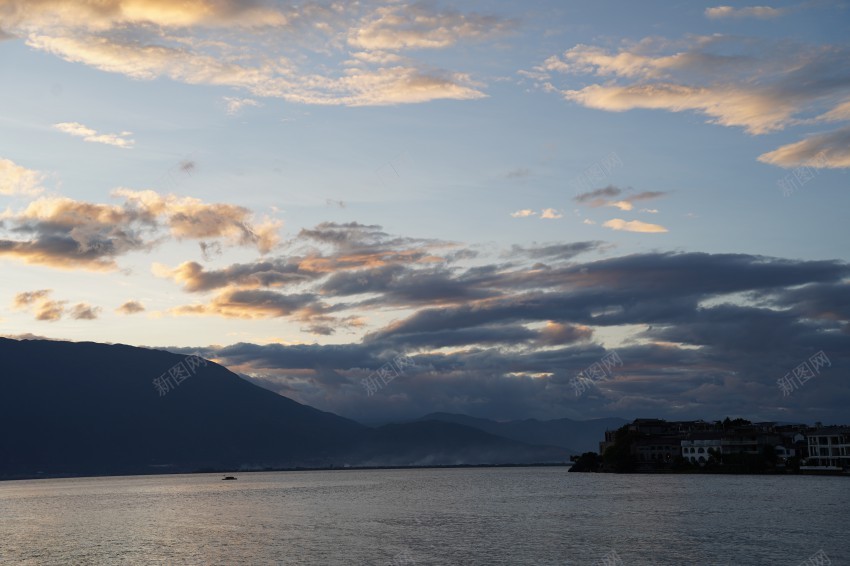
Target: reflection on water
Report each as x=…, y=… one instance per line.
x=510, y=516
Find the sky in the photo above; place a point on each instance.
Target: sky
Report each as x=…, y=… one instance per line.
x=383, y=209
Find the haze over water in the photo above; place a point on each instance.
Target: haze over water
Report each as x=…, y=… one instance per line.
x=512, y=516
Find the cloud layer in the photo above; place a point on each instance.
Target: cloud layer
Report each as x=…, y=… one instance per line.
x=65, y=233
x=701, y=335
x=759, y=85
x=282, y=50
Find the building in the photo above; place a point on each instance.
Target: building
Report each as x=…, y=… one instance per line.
x=657, y=445
x=829, y=449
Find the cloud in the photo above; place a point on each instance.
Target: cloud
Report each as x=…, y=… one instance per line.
x=597, y=198
x=76, y=129
x=418, y=26
x=61, y=232
x=758, y=113
x=830, y=150
x=703, y=335
x=50, y=311
x=28, y=298
x=332, y=260
x=761, y=12
x=633, y=226
x=502, y=337
x=556, y=252
x=69, y=234
x=760, y=85
x=254, y=304
x=235, y=104
x=46, y=309
x=131, y=307
x=18, y=180
x=111, y=14
x=189, y=217
x=300, y=54
x=550, y=213
x=523, y=213
x=83, y=311
x=559, y=334
x=278, y=272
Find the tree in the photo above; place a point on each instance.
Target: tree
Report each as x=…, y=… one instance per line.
x=619, y=457
x=587, y=462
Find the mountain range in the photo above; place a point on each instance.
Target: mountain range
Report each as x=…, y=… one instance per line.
x=83, y=408
x=576, y=437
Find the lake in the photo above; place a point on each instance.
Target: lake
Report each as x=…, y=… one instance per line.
x=511, y=516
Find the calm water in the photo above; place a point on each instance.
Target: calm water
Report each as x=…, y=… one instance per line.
x=464, y=516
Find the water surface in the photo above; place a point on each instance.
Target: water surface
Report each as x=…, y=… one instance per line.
x=510, y=516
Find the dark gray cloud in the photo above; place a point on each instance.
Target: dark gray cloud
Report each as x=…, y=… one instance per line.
x=709, y=336
x=615, y=196
x=608, y=192
x=555, y=252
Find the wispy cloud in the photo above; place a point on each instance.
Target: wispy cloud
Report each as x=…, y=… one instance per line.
x=615, y=197
x=354, y=54
x=551, y=214
x=18, y=180
x=235, y=104
x=633, y=226
x=78, y=130
x=417, y=26
x=761, y=12
x=760, y=85
x=523, y=213
x=830, y=150
x=131, y=307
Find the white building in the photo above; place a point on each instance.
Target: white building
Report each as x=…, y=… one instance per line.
x=696, y=451
x=829, y=449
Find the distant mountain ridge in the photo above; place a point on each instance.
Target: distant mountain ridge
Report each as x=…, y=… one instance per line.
x=575, y=436
x=69, y=408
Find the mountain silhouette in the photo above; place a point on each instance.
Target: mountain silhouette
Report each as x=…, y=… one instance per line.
x=575, y=436
x=83, y=408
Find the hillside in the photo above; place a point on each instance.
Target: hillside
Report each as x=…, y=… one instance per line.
x=89, y=409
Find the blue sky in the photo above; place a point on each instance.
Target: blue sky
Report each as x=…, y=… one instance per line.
x=228, y=176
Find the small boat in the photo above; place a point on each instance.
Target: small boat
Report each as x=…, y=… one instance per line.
x=228, y=478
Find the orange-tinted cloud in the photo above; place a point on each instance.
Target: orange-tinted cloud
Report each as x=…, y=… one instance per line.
x=148, y=39
x=69, y=234
x=18, y=180
x=633, y=226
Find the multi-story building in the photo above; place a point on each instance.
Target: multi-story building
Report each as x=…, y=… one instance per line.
x=657, y=443
x=829, y=449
